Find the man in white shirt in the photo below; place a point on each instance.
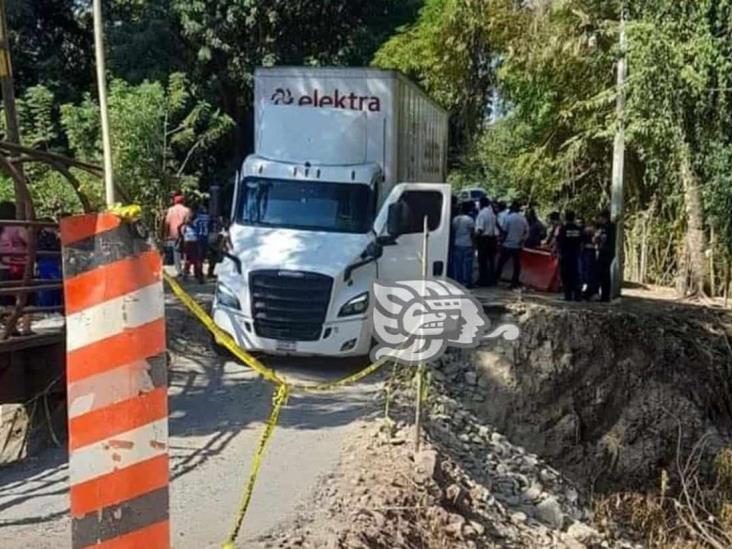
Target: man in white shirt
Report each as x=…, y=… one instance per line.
x=463, y=231
x=487, y=240
x=516, y=231
x=501, y=215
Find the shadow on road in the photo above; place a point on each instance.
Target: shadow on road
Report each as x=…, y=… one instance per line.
x=211, y=401
x=37, y=484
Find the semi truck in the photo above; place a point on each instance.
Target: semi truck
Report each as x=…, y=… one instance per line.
x=348, y=164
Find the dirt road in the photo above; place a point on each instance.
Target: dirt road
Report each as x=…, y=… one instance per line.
x=217, y=409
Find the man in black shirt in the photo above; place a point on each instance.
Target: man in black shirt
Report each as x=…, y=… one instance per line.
x=606, y=253
x=569, y=245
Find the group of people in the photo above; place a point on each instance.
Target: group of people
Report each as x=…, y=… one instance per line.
x=191, y=238
x=494, y=228
x=586, y=253
x=498, y=233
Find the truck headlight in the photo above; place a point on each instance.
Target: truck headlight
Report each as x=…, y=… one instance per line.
x=226, y=297
x=355, y=306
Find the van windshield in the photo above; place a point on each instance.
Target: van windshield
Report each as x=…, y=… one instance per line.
x=306, y=205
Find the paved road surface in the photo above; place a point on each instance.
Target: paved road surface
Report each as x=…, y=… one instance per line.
x=217, y=412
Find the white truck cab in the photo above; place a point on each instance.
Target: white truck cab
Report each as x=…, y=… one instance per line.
x=319, y=211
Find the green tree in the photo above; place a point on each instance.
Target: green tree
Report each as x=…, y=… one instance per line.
x=232, y=37
x=161, y=138
x=450, y=53
x=37, y=111
x=556, y=71
x=51, y=44
x=145, y=40
x=52, y=192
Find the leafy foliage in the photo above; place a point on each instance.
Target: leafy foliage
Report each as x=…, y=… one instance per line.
x=51, y=44
x=161, y=136
x=51, y=192
x=550, y=63
x=144, y=40
x=555, y=69
x=230, y=38
x=37, y=111
x=449, y=52
x=167, y=131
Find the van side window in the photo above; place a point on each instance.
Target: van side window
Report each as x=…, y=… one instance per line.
x=421, y=204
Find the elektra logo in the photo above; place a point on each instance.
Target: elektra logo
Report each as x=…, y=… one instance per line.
x=336, y=100
x=417, y=320
x=282, y=96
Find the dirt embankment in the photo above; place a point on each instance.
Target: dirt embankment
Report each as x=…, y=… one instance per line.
x=520, y=435
x=611, y=396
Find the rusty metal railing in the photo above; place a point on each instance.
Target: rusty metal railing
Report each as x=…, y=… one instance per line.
x=29, y=284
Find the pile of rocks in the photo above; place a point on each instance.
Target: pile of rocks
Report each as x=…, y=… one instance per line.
x=457, y=374
x=468, y=487
x=523, y=497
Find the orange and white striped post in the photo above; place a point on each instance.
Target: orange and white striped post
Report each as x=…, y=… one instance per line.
x=117, y=385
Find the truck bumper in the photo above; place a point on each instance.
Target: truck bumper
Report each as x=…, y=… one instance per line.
x=345, y=338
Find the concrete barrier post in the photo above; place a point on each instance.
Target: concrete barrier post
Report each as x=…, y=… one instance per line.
x=117, y=385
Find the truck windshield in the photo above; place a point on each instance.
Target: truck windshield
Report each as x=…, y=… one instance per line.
x=306, y=205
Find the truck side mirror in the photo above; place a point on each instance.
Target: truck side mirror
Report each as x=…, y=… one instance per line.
x=214, y=201
x=397, y=221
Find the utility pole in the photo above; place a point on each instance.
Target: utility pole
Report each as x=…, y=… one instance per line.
x=102, y=89
x=7, y=86
x=421, y=366
x=617, y=210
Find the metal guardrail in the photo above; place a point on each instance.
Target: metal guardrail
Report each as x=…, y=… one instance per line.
x=20, y=289
x=14, y=283
x=40, y=253
x=28, y=223
x=29, y=289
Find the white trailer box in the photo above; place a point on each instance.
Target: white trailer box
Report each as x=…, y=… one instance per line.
x=406, y=130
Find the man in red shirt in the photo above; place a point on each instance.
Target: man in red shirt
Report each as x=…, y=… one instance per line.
x=176, y=216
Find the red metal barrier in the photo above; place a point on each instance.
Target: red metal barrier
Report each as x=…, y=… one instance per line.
x=539, y=270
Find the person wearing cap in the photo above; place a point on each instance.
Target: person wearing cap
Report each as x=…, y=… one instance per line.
x=176, y=216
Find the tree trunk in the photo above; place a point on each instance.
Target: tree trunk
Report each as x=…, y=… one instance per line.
x=695, y=239
x=243, y=141
x=712, y=272
x=727, y=281
x=644, y=249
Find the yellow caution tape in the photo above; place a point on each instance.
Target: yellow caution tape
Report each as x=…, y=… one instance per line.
x=222, y=337
x=358, y=376
x=284, y=389
x=129, y=213
x=279, y=400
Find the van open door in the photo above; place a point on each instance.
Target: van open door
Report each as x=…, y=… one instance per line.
x=400, y=226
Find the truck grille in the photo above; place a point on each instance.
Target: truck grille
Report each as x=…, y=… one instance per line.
x=289, y=305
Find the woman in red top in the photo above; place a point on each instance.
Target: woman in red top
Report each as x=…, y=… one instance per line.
x=13, y=240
